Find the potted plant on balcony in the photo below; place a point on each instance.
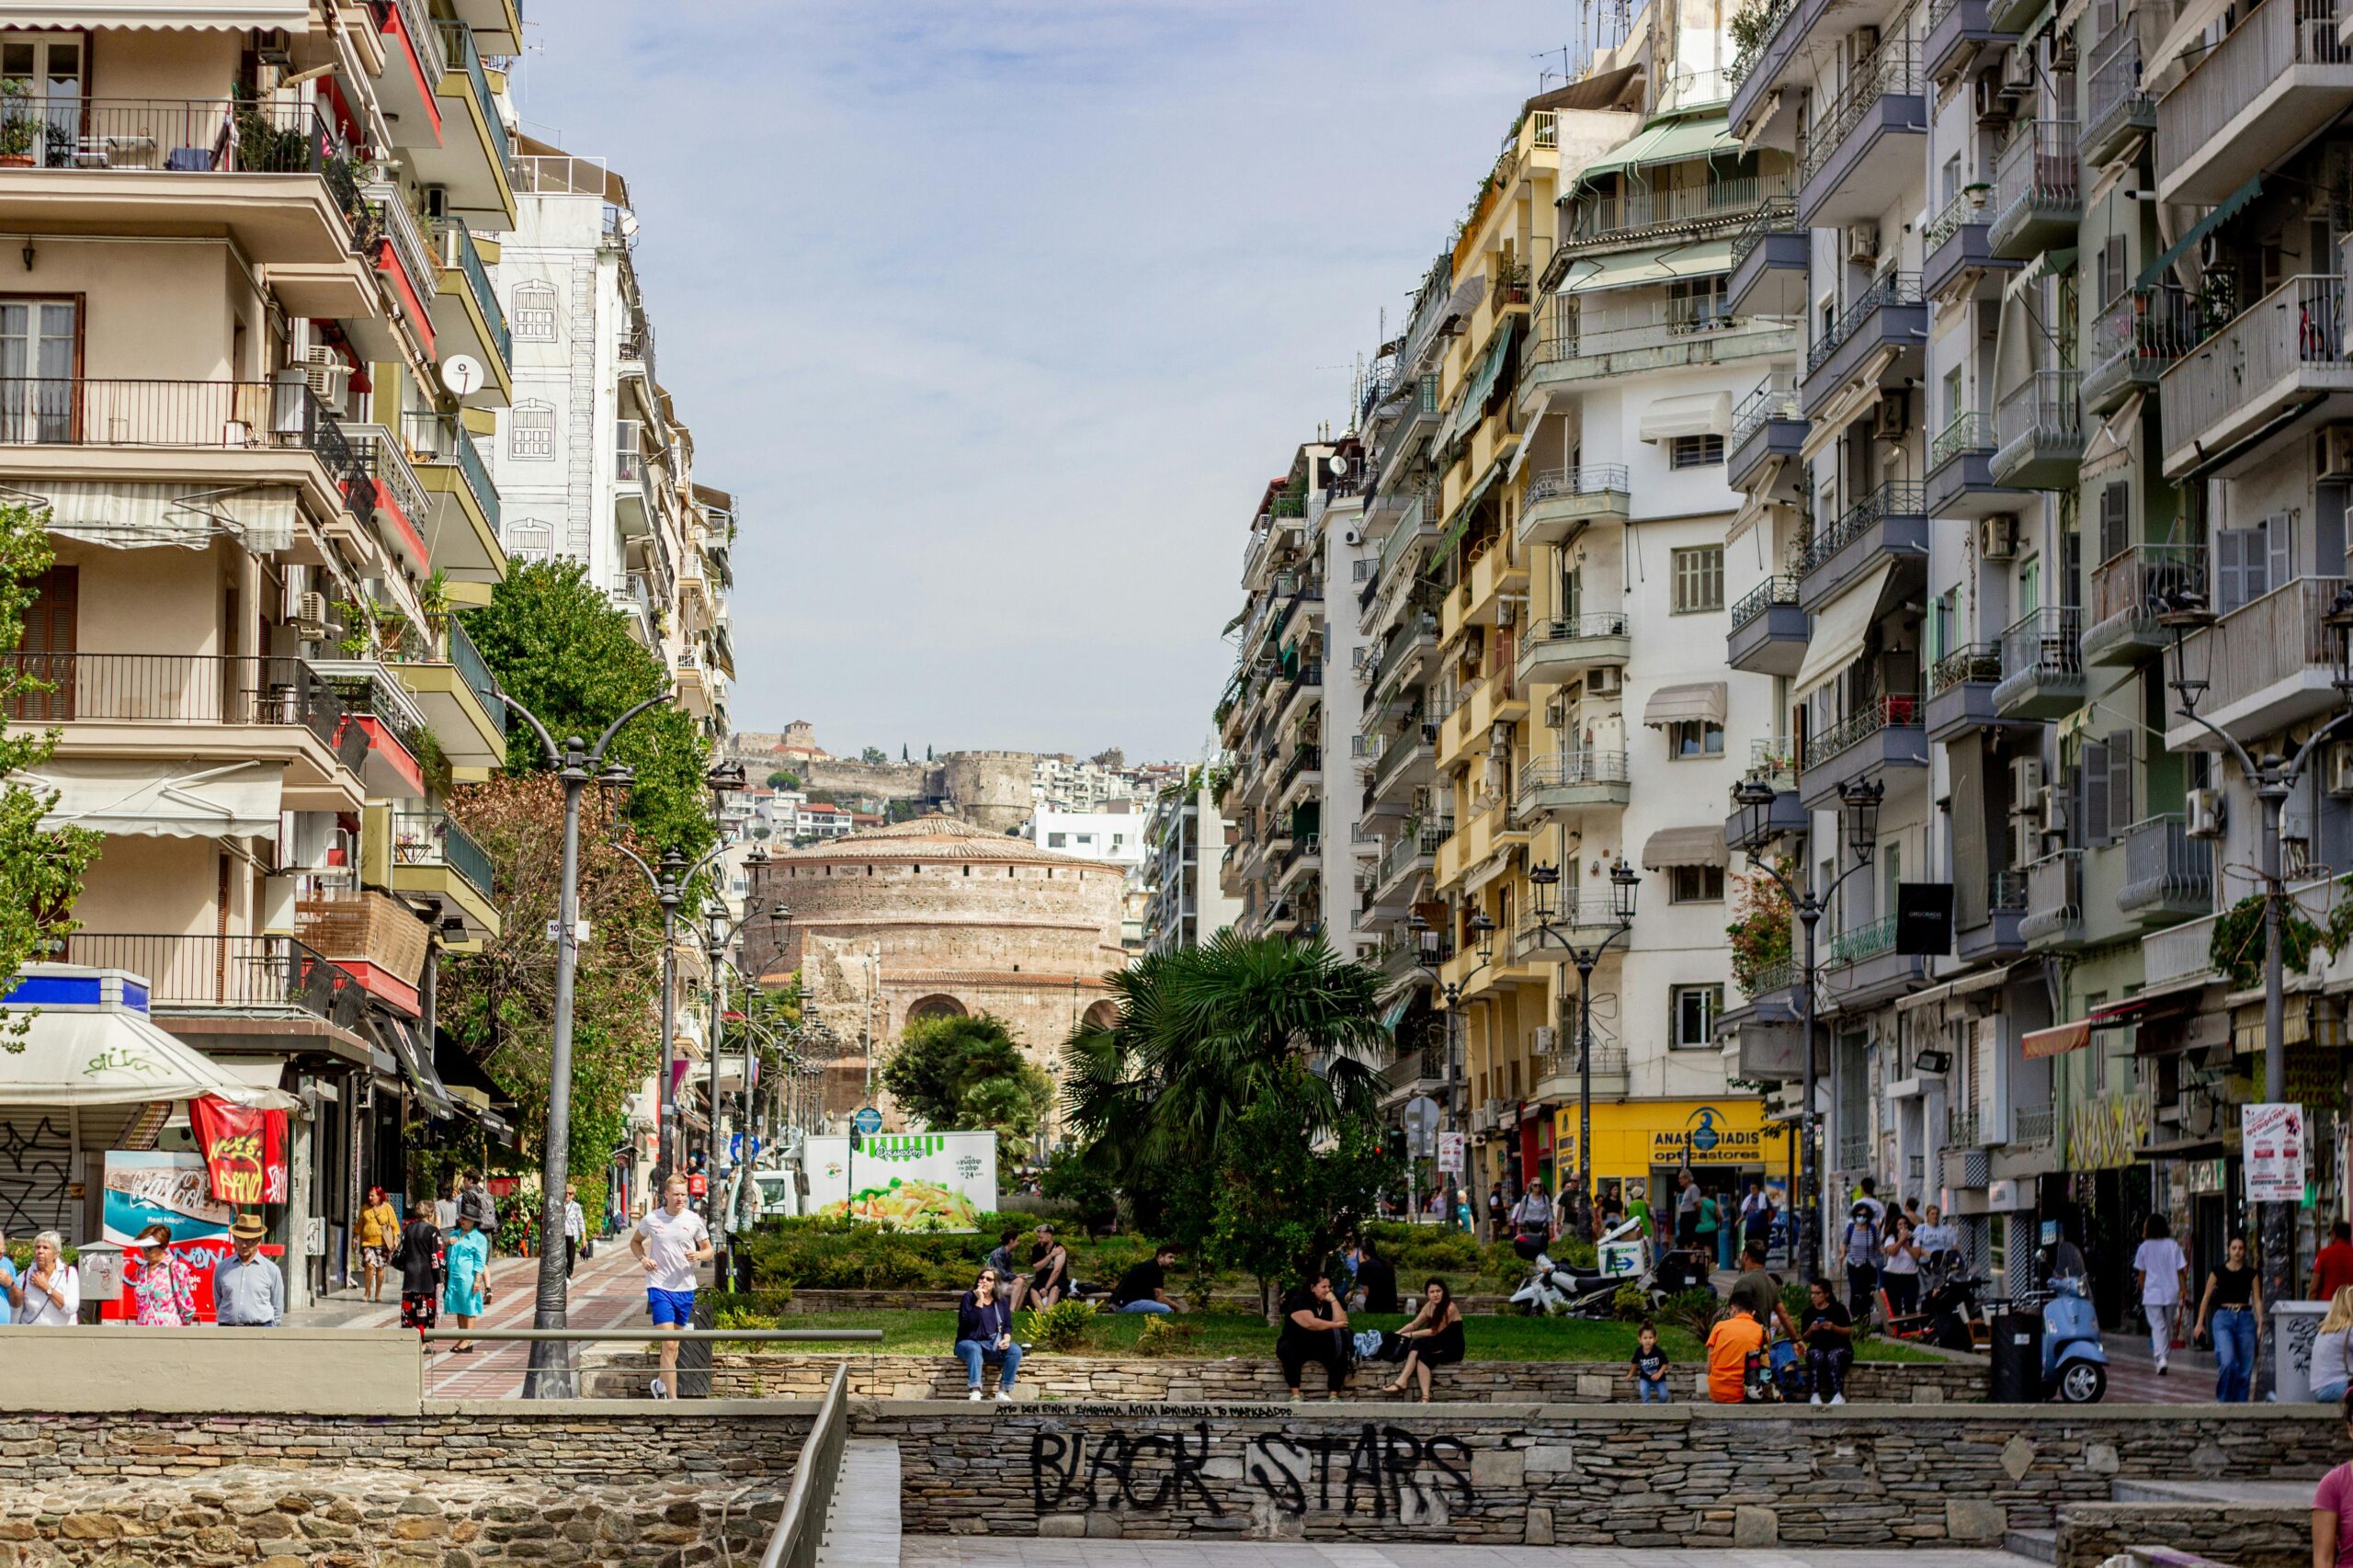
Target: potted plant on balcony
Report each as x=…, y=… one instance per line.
x=20, y=126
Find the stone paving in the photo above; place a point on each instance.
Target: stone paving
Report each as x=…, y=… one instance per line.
x=938, y=1551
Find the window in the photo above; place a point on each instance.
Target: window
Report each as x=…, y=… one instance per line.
x=1694, y=1009
x=1697, y=451
x=37, y=402
x=2115, y=519
x=532, y=314
x=1954, y=406
x=1058, y=841
x=528, y=540
x=1700, y=573
x=2031, y=588
x=1698, y=884
x=531, y=434
x=1692, y=738
x=627, y=464
x=1696, y=304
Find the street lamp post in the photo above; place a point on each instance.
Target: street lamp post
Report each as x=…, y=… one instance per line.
x=2273, y=779
x=578, y=764
x=1483, y=935
x=1860, y=801
x=1623, y=880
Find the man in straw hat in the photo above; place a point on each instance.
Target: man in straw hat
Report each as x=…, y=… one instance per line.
x=247, y=1289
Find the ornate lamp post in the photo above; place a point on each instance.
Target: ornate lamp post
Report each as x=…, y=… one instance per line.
x=1859, y=800
x=1623, y=880
x=1483, y=936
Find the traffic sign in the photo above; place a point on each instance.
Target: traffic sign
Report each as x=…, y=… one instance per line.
x=869, y=1121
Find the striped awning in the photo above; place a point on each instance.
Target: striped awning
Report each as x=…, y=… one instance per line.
x=1699, y=702
x=2224, y=210
x=1686, y=847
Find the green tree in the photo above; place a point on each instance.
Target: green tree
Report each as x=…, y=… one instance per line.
x=41, y=869
x=560, y=648
x=784, y=779
x=873, y=756
x=967, y=1074
x=1281, y=1203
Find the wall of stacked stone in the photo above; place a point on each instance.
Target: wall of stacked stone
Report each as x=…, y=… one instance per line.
x=808, y=1300
x=2244, y=1535
x=1239, y=1380
x=342, y=1518
x=1676, y=1476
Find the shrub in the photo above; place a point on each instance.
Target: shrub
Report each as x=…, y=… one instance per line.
x=1692, y=1310
x=1167, y=1337
x=1631, y=1303
x=1062, y=1327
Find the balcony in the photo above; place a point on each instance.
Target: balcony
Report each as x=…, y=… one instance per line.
x=388, y=490
x=244, y=976
x=2038, y=189
x=1960, y=691
x=1613, y=220
x=2118, y=109
x=1759, y=71
x=370, y=936
x=1770, y=257
x=1771, y=760
x=1998, y=937
x=1559, y=501
x=1769, y=631
x=2054, y=902
x=2169, y=875
x=459, y=697
x=2130, y=590
x=426, y=857
x=464, y=510
x=2042, y=665
x=2266, y=663
x=1882, y=732
x=1854, y=163
x=1767, y=428
x=1561, y=649
x=1869, y=969
x=1661, y=336
x=1578, y=922
x=2135, y=340
x=470, y=316
x=2273, y=81
x=1891, y=521
x=1410, y=642
x=1959, y=33
x=1572, y=782
x=1406, y=759
x=1415, y=852
x=1961, y=260
x=1891, y=314
x=2040, y=427
x=1961, y=471
x=200, y=706
x=471, y=154
x=2285, y=351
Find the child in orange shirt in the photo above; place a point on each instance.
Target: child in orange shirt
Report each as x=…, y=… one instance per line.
x=1730, y=1343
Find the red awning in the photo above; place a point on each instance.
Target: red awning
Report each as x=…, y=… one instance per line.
x=2056, y=1041
x=2141, y=1009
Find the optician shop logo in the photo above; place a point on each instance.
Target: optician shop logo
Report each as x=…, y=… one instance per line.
x=1699, y=1132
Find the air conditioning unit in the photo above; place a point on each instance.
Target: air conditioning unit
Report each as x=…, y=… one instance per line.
x=1556, y=713
x=1541, y=1044
x=1861, y=44
x=1998, y=536
x=1889, y=419
x=2202, y=812
x=2017, y=72
x=1352, y=536
x=311, y=615
x=2336, y=452
x=1506, y=613
x=2026, y=781
x=326, y=374
x=2026, y=839
x=1862, y=244
x=2340, y=769
x=1607, y=681
x=2052, y=812
x=1985, y=98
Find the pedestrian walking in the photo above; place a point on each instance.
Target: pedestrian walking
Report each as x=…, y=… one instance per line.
x=465, y=1290
x=1314, y=1328
x=2332, y=1367
x=2162, y=1275
x=1498, y=1212
x=2232, y=1308
x=668, y=1243
x=1755, y=1217
x=1433, y=1338
x=1898, y=1268
x=1829, y=1331
x=575, y=1228
x=418, y=1257
x=380, y=1233
x=1935, y=1237
x=1866, y=1193
x=1687, y=1209
x=1862, y=1247
x=248, y=1291
x=1649, y=1368
x=1145, y=1287
x=474, y=1198
x=985, y=1336
x=164, y=1296
x=51, y=1286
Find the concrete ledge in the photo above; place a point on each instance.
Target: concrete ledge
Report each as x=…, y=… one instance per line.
x=288, y=1372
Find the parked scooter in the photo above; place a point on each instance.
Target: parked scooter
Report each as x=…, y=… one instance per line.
x=2075, y=1362
x=1551, y=1290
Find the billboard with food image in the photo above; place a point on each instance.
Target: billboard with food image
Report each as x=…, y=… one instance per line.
x=153, y=1186
x=910, y=1181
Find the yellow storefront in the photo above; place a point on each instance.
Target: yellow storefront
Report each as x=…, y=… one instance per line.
x=1725, y=1142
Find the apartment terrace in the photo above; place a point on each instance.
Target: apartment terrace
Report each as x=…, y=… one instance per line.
x=2266, y=664
x=2042, y=665
x=2116, y=107
x=468, y=311
x=232, y=977
x=1885, y=327
x=1961, y=470
x=2135, y=339
x=1415, y=852
x=2038, y=189
x=1869, y=969
x=2039, y=425
x=2276, y=78
x=1891, y=521
x=1771, y=760
x=1960, y=691
x=1855, y=160
x=2287, y=350
x=1572, y=782
x=1766, y=68
x=1770, y=257
x=1769, y=630
x=1597, y=220
x=2129, y=591
x=1564, y=647
x=1960, y=262
x=1882, y=733
x=471, y=157
x=2169, y=875
x=1767, y=427
x=1559, y=501
x=2054, y=902
x=1998, y=937
x=1657, y=335
x=463, y=512
x=1960, y=33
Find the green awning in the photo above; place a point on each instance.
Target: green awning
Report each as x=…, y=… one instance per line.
x=1480, y=387
x=1463, y=513
x=1652, y=264
x=1397, y=1011
x=1667, y=141
x=2224, y=210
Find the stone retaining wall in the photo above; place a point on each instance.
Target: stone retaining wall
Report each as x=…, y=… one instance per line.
x=329, y=1518
x=945, y=1300
x=1242, y=1379
x=2244, y=1535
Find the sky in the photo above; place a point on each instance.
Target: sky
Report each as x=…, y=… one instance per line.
x=998, y=317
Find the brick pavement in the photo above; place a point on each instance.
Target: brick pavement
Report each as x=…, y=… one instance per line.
x=607, y=1291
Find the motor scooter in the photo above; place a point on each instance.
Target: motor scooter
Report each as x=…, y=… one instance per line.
x=2075, y=1362
x=1551, y=1291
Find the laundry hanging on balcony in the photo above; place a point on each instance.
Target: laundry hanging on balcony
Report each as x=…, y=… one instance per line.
x=150, y=799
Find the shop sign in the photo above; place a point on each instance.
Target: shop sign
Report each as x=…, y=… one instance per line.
x=2272, y=1151
x=1708, y=1137
x=146, y=1187
x=245, y=1151
x=1449, y=1153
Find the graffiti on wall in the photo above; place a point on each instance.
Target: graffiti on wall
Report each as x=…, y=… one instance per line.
x=1376, y=1471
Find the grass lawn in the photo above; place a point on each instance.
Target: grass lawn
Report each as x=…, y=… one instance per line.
x=1487, y=1337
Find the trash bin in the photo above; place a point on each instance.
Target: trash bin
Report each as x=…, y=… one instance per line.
x=694, y=1354
x=2017, y=1375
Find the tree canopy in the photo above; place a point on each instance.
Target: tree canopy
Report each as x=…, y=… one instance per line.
x=784, y=779
x=41, y=869
x=967, y=1074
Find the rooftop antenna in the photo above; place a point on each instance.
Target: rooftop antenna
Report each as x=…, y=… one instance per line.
x=1544, y=78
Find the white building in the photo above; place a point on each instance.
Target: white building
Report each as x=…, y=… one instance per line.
x=1114, y=836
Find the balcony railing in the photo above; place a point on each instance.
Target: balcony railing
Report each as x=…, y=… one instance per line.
x=250, y=974
x=1776, y=398
x=2142, y=331
x=1892, y=70
x=452, y=644
x=1771, y=217
x=398, y=224
x=1864, y=941
x=2054, y=894
x=1562, y=770
x=1557, y=484
x=1972, y=432
x=2294, y=328
x=1975, y=663
x=188, y=136
x=2045, y=643
x=1966, y=207
x=1772, y=591
x=2164, y=864
x=2044, y=411
x=2115, y=96
x=2141, y=580
x=1580, y=627
x=233, y=416
x=177, y=689
x=1769, y=17
x=2033, y=1125
x=458, y=43
x=436, y=439
x=2037, y=170
x=1963, y=1129
x=1894, y=712
x=1305, y=759
x=1772, y=759
x=2276, y=639
x=1600, y=344
x=2267, y=45
x=1896, y=498
x=2006, y=892
x=382, y=458
x=423, y=35
x=434, y=838
x=1893, y=289
x=458, y=251
x=1594, y=217
x=1419, y=839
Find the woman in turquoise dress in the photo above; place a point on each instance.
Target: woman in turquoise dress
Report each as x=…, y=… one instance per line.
x=467, y=1255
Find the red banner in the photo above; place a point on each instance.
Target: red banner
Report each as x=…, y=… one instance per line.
x=245, y=1151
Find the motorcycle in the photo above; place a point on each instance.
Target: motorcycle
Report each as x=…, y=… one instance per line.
x=2075, y=1362
x=1951, y=1314
x=1622, y=1258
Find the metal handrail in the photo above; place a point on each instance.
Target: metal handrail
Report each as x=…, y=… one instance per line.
x=1776, y=397
x=2037, y=166
x=1589, y=479
x=1896, y=498
x=1772, y=591
x=1771, y=217
x=1576, y=628
x=1890, y=288
x=1893, y=69
x=437, y=439
x=1967, y=207
x=1972, y=664
x=1594, y=217
x=2047, y=407
x=2046, y=642
x=458, y=42
x=1971, y=432
x=2148, y=327
x=1894, y=712
x=436, y=838
x=460, y=252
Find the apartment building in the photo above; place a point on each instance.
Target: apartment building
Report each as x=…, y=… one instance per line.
x=254, y=346
x=592, y=460
x=1185, y=838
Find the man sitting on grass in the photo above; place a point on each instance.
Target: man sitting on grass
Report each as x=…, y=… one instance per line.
x=1145, y=1287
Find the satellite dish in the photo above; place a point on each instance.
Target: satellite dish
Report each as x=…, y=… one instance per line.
x=461, y=373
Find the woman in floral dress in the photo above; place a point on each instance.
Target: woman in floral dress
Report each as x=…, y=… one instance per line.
x=165, y=1292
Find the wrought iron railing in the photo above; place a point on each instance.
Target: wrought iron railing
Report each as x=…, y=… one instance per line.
x=1971, y=432
x=1579, y=628
x=1560, y=484
x=1967, y=207
x=1896, y=498
x=1771, y=217
x=1594, y=217
x=2046, y=410
x=2038, y=170
x=1775, y=398
x=1772, y=591
x=1854, y=944
x=2136, y=584
x=2115, y=96
x=1974, y=662
x=1894, y=712
x=1888, y=289
x=2144, y=330
x=177, y=689
x=2045, y=644
x=1892, y=69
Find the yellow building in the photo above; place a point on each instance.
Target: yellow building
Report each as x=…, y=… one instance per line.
x=1725, y=1140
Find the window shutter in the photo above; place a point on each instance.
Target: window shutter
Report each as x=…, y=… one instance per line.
x=2234, y=548
x=2114, y=519
x=2328, y=530
x=2119, y=781
x=2279, y=554
x=2091, y=793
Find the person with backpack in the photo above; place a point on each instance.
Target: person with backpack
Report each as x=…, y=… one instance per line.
x=1532, y=1215
x=1860, y=1245
x=1755, y=1216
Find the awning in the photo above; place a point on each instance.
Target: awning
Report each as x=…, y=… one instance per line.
x=146, y=516
x=2111, y=447
x=1686, y=847
x=1397, y=1011
x=1964, y=986
x=1673, y=141
x=2141, y=1007
x=2055, y=1041
x=2045, y=264
x=1486, y=871
x=399, y=1038
x=216, y=16
x=2068, y=16
x=88, y=1040
x=1700, y=702
x=1755, y=508
x=1654, y=264
x=138, y=798
x=1481, y=386
x=1688, y=413
x=1840, y=629
x=2196, y=16
x=2224, y=210
x=1464, y=511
